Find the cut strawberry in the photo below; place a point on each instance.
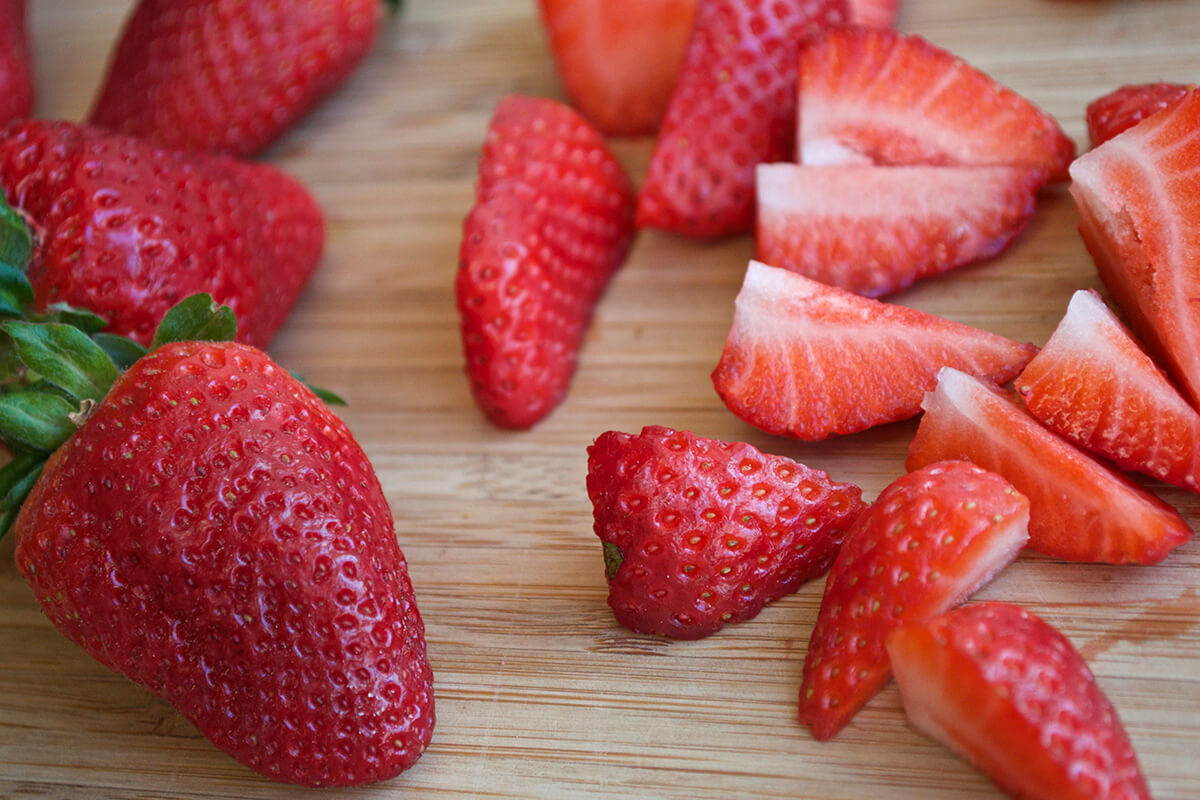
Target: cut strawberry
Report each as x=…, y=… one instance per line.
x=733, y=108
x=931, y=539
x=876, y=230
x=1081, y=509
x=874, y=13
x=1093, y=384
x=1118, y=111
x=888, y=98
x=1139, y=213
x=808, y=360
x=1009, y=693
x=619, y=61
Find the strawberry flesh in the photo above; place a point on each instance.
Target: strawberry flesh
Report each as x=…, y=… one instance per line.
x=874, y=13
x=1121, y=109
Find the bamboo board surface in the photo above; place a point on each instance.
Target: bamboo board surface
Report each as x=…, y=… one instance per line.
x=539, y=693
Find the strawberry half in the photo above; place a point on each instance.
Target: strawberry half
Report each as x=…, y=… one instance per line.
x=1121, y=109
x=811, y=361
x=875, y=96
x=876, y=230
x=874, y=13
x=700, y=533
x=1139, y=210
x=931, y=539
x=1093, y=384
x=733, y=108
x=1008, y=692
x=619, y=62
x=1081, y=510
x=553, y=220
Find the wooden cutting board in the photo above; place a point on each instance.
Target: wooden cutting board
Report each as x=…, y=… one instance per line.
x=539, y=693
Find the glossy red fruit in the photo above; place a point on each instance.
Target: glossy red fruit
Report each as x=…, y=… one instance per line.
x=552, y=222
x=876, y=230
x=882, y=97
x=874, y=13
x=1081, y=510
x=733, y=108
x=1009, y=693
x=700, y=533
x=16, y=72
x=214, y=533
x=129, y=229
x=1121, y=109
x=811, y=361
x=929, y=541
x=1093, y=384
x=229, y=77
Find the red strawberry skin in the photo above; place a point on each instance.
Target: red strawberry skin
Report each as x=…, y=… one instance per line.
x=931, y=538
x=222, y=77
x=874, y=231
x=733, y=108
x=129, y=229
x=1009, y=693
x=700, y=533
x=1093, y=384
x=16, y=73
x=552, y=222
x=619, y=62
x=214, y=533
x=1121, y=109
x=812, y=361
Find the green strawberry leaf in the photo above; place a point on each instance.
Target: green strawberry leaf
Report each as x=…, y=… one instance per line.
x=64, y=356
x=17, y=478
x=122, y=350
x=613, y=558
x=396, y=6
x=15, y=292
x=35, y=420
x=196, y=319
x=327, y=397
x=86, y=321
x=16, y=243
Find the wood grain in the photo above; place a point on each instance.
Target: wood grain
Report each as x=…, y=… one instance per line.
x=539, y=693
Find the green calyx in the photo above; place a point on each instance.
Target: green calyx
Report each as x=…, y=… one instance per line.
x=395, y=6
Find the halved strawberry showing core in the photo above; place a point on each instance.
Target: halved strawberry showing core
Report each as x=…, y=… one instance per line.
x=1121, y=109
x=1008, y=692
x=876, y=230
x=811, y=361
x=1081, y=510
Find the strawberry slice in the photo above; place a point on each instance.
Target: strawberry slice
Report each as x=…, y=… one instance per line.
x=553, y=220
x=931, y=539
x=1140, y=219
x=811, y=361
x=876, y=230
x=1121, y=109
x=1008, y=692
x=733, y=108
x=1081, y=509
x=619, y=61
x=887, y=98
x=700, y=533
x=874, y=13
x=1093, y=384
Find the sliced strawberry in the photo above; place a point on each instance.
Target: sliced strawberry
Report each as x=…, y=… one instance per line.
x=1093, y=384
x=1081, y=509
x=1139, y=214
x=876, y=230
x=553, y=220
x=1009, y=693
x=700, y=533
x=733, y=108
x=874, y=13
x=808, y=360
x=889, y=98
x=1119, y=110
x=931, y=539
x=619, y=61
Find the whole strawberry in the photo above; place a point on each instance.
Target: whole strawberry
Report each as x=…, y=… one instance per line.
x=230, y=76
x=214, y=533
x=698, y=533
x=16, y=74
x=128, y=229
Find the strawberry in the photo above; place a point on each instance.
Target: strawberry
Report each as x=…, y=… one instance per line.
x=129, y=229
x=1081, y=510
x=1140, y=219
x=1121, y=109
x=1009, y=693
x=229, y=78
x=811, y=361
x=733, y=108
x=876, y=230
x=874, y=13
x=928, y=541
x=553, y=220
x=16, y=73
x=619, y=62
x=698, y=533
x=213, y=532
x=1093, y=384
x=875, y=96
